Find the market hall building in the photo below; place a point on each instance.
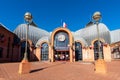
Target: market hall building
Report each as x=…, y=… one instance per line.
x=59, y=45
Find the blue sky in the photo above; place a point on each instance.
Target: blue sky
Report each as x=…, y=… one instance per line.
x=47, y=14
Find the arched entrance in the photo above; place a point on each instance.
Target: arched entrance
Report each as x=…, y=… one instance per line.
x=61, y=49
x=96, y=55
x=44, y=52
x=116, y=52
x=23, y=44
x=78, y=51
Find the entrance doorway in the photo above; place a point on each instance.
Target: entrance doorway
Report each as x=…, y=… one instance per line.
x=116, y=53
x=61, y=56
x=78, y=51
x=96, y=51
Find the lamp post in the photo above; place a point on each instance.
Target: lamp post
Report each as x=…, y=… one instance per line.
x=24, y=66
x=96, y=17
x=28, y=20
x=100, y=66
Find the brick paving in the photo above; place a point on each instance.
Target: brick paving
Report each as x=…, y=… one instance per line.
x=60, y=71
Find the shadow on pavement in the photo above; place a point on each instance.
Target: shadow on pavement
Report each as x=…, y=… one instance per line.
x=36, y=70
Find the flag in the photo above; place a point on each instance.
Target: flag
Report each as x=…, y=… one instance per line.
x=64, y=25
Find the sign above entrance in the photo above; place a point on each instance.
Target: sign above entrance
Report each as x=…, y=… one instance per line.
x=62, y=48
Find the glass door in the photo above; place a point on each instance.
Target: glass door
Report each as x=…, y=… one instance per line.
x=78, y=51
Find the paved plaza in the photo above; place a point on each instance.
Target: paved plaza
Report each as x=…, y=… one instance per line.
x=60, y=71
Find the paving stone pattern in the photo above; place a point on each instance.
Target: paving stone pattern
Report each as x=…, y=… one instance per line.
x=60, y=71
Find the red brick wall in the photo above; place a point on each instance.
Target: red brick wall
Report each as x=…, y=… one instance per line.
x=6, y=44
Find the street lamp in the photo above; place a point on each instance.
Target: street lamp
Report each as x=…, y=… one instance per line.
x=97, y=17
x=24, y=66
x=28, y=19
x=100, y=66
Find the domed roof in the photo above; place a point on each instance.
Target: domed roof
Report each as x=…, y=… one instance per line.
x=90, y=33
x=34, y=33
x=115, y=35
x=43, y=39
x=77, y=38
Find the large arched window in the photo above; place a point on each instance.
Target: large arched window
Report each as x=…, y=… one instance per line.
x=61, y=48
x=78, y=51
x=96, y=55
x=44, y=52
x=61, y=41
